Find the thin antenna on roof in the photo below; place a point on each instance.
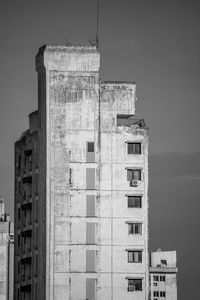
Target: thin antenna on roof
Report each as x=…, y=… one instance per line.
x=95, y=42
x=97, y=33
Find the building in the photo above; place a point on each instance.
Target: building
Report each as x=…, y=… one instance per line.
x=6, y=254
x=163, y=273
x=81, y=185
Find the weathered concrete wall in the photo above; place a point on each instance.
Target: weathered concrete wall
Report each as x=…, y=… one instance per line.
x=6, y=260
x=72, y=90
x=3, y=263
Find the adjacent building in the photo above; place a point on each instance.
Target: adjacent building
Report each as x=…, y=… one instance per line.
x=163, y=275
x=6, y=254
x=81, y=185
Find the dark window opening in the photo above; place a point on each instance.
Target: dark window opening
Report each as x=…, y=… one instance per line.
x=28, y=152
x=133, y=174
x=134, y=285
x=156, y=278
x=135, y=201
x=70, y=177
x=163, y=294
x=135, y=228
x=135, y=256
x=162, y=278
x=90, y=154
x=90, y=147
x=134, y=148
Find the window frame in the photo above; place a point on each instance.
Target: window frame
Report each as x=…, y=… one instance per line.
x=134, y=147
x=131, y=256
x=132, y=228
x=162, y=278
x=134, y=200
x=132, y=177
x=156, y=278
x=88, y=147
x=90, y=151
x=136, y=282
x=163, y=294
x=156, y=293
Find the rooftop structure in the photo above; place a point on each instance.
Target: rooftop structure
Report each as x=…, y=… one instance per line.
x=163, y=275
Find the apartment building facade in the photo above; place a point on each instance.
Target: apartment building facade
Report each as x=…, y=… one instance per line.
x=6, y=254
x=163, y=275
x=81, y=185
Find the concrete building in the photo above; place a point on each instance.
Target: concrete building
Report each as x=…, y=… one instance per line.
x=163, y=273
x=6, y=254
x=81, y=185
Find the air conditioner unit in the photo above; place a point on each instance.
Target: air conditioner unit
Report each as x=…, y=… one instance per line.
x=134, y=183
x=131, y=288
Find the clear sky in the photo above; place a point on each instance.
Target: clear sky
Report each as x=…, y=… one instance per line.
x=153, y=42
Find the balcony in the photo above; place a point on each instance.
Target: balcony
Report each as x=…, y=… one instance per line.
x=26, y=206
x=27, y=179
x=129, y=120
x=26, y=232
x=26, y=260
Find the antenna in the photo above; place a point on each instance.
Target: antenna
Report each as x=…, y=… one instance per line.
x=97, y=33
x=95, y=42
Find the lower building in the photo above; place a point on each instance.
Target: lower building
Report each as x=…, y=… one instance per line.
x=6, y=254
x=163, y=273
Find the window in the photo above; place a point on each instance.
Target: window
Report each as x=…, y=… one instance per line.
x=162, y=294
x=90, y=147
x=133, y=174
x=90, y=288
x=90, y=178
x=70, y=177
x=134, y=148
x=90, y=261
x=134, y=256
x=156, y=278
x=162, y=278
x=90, y=154
x=90, y=205
x=135, y=201
x=164, y=262
x=156, y=294
x=28, y=158
x=134, y=228
x=155, y=284
x=134, y=285
x=90, y=233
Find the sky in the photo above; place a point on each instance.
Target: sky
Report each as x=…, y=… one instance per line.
x=155, y=43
